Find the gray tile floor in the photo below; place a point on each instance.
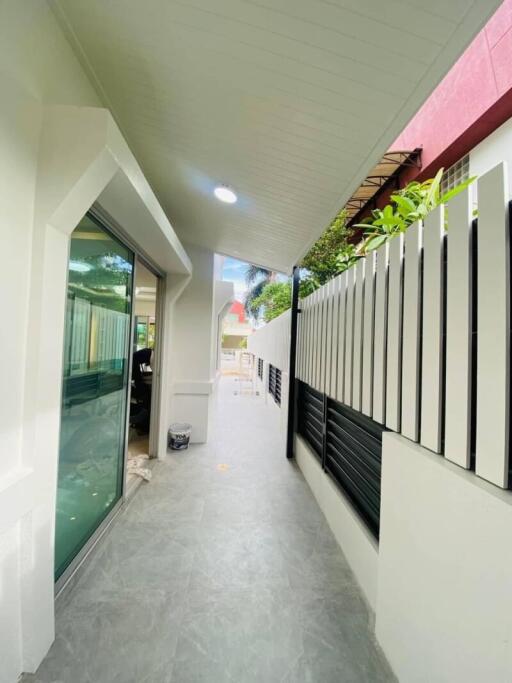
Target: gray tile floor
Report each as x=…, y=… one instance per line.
x=222, y=569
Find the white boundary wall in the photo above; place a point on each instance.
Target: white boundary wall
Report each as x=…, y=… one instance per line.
x=271, y=343
x=372, y=338
x=359, y=547
x=445, y=585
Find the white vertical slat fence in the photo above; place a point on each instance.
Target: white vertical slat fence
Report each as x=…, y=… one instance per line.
x=432, y=331
x=394, y=330
x=335, y=341
x=349, y=336
x=357, y=353
x=318, y=339
x=459, y=330
x=411, y=338
x=380, y=334
x=493, y=299
x=368, y=336
x=342, y=336
x=398, y=336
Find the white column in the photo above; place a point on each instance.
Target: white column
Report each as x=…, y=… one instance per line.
x=191, y=338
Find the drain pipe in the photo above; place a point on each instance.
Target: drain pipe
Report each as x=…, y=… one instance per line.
x=292, y=401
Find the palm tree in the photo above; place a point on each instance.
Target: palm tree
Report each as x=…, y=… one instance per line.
x=256, y=279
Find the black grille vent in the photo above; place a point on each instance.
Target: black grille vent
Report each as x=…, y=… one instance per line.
x=274, y=383
x=260, y=368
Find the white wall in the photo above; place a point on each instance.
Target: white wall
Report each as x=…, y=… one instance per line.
x=224, y=295
x=358, y=545
x=60, y=152
x=38, y=68
x=192, y=339
x=445, y=580
x=272, y=342
x=495, y=148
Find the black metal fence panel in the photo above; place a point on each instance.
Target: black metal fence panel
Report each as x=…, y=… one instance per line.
x=349, y=446
x=310, y=417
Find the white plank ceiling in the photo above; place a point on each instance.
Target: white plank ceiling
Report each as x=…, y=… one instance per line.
x=290, y=102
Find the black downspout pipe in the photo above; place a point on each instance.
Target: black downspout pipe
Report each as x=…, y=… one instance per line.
x=292, y=407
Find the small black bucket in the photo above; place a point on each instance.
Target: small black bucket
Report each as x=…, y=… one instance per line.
x=178, y=436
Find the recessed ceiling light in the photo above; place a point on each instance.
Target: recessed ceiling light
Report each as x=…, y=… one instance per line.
x=225, y=194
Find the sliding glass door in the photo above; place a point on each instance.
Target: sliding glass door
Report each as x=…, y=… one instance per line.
x=95, y=386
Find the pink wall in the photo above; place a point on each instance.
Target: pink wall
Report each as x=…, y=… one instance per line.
x=473, y=99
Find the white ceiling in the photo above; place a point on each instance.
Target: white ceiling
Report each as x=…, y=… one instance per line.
x=290, y=102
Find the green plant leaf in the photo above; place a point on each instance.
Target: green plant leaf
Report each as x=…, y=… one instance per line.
x=405, y=204
x=363, y=225
x=375, y=242
x=432, y=197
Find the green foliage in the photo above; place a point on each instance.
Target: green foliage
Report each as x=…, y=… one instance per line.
x=307, y=286
x=333, y=252
x=97, y=282
x=256, y=273
x=321, y=261
x=406, y=206
x=275, y=299
x=256, y=278
x=346, y=258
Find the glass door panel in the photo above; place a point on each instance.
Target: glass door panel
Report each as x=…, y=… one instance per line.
x=95, y=386
x=141, y=332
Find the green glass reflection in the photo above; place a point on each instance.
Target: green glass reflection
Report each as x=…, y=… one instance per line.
x=95, y=382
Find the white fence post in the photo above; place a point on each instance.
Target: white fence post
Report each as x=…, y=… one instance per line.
x=357, y=372
x=411, y=333
x=324, y=306
x=368, y=335
x=349, y=336
x=334, y=339
x=328, y=342
x=342, y=325
x=394, y=343
x=493, y=363
x=380, y=339
x=432, y=330
x=318, y=339
x=459, y=330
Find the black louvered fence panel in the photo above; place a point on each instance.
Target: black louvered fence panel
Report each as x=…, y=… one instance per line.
x=349, y=446
x=353, y=456
x=310, y=417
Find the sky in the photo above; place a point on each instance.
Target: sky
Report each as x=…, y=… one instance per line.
x=234, y=271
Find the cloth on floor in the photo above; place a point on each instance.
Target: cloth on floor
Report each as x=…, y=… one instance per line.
x=136, y=465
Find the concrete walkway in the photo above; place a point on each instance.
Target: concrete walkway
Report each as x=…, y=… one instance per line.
x=222, y=569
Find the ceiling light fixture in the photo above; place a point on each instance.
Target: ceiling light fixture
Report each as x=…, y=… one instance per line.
x=225, y=194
